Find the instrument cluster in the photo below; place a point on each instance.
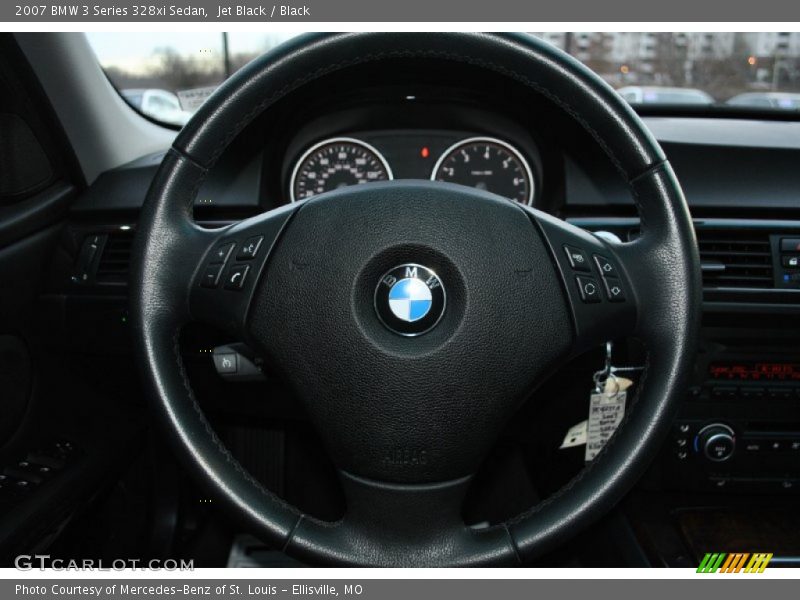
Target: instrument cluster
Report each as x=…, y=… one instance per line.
x=480, y=161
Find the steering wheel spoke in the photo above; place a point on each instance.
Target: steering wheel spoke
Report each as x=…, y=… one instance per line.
x=403, y=524
x=229, y=266
x=602, y=295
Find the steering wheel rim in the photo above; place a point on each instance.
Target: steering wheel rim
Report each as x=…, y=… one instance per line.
x=413, y=510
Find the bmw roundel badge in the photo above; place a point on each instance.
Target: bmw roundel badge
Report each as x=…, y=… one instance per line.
x=410, y=299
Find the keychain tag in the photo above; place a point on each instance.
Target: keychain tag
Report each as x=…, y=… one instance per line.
x=606, y=409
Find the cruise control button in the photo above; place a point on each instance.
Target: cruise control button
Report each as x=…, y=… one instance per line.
x=220, y=254
x=605, y=266
x=614, y=290
x=577, y=258
x=211, y=276
x=250, y=248
x=590, y=291
x=236, y=277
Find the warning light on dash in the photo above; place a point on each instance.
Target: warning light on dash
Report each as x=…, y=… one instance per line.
x=425, y=152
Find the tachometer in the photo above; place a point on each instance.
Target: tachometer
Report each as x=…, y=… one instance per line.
x=335, y=163
x=488, y=164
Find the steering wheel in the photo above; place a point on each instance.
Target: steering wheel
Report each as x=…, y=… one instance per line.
x=412, y=319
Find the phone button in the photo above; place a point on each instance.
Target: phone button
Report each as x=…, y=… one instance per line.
x=236, y=277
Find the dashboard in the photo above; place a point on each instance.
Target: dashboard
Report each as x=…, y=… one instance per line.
x=742, y=190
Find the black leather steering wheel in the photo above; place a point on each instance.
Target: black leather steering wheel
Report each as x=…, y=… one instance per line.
x=408, y=419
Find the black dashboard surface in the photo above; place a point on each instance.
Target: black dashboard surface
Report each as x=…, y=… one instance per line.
x=739, y=175
x=722, y=174
x=729, y=167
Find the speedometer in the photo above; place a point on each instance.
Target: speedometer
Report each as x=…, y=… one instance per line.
x=488, y=164
x=335, y=163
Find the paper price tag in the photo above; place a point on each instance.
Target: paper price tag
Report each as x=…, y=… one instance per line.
x=606, y=411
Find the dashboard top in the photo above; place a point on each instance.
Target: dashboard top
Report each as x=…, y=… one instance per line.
x=727, y=167
x=740, y=133
x=734, y=173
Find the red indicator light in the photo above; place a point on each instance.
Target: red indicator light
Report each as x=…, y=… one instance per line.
x=425, y=152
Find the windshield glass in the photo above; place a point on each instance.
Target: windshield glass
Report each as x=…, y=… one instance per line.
x=168, y=75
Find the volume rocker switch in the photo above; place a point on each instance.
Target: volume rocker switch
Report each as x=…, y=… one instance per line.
x=220, y=254
x=211, y=276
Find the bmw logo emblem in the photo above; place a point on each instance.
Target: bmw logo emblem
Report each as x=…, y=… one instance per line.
x=410, y=299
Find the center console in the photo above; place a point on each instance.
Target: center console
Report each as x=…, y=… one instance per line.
x=739, y=427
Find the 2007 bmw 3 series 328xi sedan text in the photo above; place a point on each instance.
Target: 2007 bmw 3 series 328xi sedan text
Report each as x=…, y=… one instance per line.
x=399, y=299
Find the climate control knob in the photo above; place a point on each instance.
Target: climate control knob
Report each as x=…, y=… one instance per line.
x=717, y=442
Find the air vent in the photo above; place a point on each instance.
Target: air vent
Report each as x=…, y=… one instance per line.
x=735, y=258
x=115, y=260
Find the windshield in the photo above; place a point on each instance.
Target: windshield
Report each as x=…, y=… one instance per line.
x=168, y=75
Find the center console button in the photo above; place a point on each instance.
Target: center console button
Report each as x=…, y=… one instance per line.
x=790, y=245
x=751, y=393
x=719, y=447
x=776, y=445
x=716, y=442
x=791, y=262
x=753, y=446
x=724, y=393
x=778, y=393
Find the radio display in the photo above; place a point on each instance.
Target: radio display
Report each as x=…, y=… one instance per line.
x=755, y=371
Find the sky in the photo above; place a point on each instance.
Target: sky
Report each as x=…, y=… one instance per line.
x=133, y=50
